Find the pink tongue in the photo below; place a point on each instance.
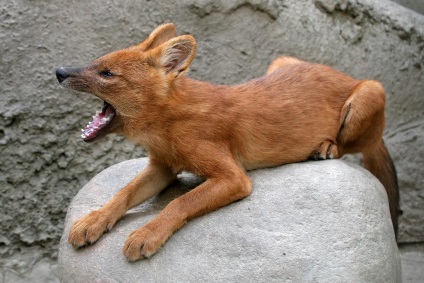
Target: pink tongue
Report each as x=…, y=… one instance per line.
x=109, y=110
x=99, y=122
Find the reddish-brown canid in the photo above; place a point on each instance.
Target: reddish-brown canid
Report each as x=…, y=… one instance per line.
x=297, y=111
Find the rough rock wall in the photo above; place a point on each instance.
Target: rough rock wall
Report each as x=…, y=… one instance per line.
x=43, y=162
x=415, y=5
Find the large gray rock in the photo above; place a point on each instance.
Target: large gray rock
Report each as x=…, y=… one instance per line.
x=311, y=222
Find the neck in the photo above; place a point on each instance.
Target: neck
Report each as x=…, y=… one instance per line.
x=198, y=91
x=187, y=100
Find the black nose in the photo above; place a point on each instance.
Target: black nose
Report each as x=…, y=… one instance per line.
x=61, y=74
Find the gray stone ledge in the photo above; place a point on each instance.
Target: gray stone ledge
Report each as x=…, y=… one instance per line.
x=310, y=222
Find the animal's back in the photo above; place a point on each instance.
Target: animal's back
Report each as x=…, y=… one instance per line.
x=285, y=115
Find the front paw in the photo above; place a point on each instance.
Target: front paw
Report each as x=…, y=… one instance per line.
x=143, y=243
x=90, y=228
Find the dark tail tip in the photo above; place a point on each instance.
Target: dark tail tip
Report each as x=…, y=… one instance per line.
x=381, y=165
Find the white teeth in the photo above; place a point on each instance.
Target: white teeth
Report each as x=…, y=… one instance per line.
x=97, y=123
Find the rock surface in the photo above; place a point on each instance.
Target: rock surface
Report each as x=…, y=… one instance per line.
x=412, y=258
x=417, y=6
x=43, y=162
x=311, y=222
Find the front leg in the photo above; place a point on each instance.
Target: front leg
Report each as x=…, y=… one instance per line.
x=214, y=193
x=147, y=184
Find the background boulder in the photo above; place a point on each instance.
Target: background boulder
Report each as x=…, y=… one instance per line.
x=417, y=6
x=43, y=162
x=309, y=222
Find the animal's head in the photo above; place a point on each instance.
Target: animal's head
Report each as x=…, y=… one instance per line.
x=131, y=80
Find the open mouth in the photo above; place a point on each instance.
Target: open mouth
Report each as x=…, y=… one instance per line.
x=100, y=121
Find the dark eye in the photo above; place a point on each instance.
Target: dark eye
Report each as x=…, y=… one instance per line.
x=106, y=74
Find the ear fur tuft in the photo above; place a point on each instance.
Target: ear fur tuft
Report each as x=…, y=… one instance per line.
x=178, y=53
x=160, y=35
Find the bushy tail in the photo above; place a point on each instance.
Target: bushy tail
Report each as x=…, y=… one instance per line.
x=380, y=164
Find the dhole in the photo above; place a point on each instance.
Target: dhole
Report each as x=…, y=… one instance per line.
x=296, y=112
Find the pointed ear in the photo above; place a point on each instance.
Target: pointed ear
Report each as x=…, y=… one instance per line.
x=176, y=54
x=160, y=35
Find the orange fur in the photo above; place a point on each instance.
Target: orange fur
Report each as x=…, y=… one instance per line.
x=297, y=111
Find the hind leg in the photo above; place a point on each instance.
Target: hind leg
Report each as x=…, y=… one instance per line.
x=281, y=62
x=327, y=150
x=362, y=119
x=361, y=123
